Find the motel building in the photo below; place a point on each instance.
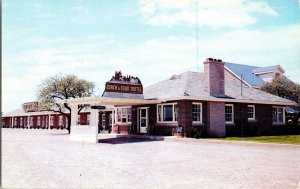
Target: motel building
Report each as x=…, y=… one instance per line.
x=215, y=103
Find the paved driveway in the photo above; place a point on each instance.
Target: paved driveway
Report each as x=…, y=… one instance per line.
x=47, y=159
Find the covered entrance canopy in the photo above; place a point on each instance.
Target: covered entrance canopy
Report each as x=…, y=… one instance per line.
x=90, y=133
x=110, y=101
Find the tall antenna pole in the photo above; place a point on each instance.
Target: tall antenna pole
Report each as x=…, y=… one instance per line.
x=197, y=56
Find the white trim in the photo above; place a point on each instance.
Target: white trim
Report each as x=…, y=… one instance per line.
x=237, y=76
x=229, y=122
x=264, y=72
x=201, y=112
x=253, y=118
x=161, y=112
x=116, y=114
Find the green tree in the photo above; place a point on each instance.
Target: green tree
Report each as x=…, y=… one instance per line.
x=52, y=91
x=283, y=87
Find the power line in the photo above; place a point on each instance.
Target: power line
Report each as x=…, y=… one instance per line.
x=197, y=54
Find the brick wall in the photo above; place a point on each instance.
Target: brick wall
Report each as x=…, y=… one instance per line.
x=216, y=119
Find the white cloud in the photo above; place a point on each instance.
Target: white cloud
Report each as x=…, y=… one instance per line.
x=152, y=60
x=213, y=13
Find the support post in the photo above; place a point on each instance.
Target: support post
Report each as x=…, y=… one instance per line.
x=112, y=120
x=84, y=133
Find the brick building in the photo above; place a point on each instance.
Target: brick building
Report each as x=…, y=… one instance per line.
x=192, y=104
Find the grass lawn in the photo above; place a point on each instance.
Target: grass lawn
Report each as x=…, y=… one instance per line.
x=285, y=139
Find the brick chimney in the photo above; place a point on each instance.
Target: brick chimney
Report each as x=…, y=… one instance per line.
x=214, y=77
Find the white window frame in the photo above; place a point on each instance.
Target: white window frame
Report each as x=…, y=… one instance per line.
x=201, y=112
x=283, y=115
x=175, y=119
x=229, y=122
x=127, y=116
x=251, y=118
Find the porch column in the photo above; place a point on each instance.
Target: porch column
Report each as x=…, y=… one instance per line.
x=94, y=117
x=84, y=133
x=49, y=121
x=112, y=120
x=74, y=115
x=28, y=122
x=12, y=121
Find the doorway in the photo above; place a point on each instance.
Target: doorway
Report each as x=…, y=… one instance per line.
x=143, y=119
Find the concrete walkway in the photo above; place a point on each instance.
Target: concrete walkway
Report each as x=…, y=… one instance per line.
x=47, y=159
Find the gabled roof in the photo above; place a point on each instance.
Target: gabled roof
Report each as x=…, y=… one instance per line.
x=190, y=85
x=246, y=71
x=250, y=73
x=267, y=69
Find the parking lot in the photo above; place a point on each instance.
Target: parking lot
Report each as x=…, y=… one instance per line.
x=47, y=159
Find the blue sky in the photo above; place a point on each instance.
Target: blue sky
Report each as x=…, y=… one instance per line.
x=149, y=39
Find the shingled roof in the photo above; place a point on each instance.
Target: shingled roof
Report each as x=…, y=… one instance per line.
x=190, y=85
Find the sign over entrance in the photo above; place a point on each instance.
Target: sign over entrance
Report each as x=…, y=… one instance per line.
x=123, y=87
x=31, y=106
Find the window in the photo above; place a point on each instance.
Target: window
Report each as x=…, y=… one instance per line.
x=278, y=115
x=21, y=121
x=123, y=114
x=167, y=112
x=51, y=120
x=60, y=120
x=229, y=116
x=197, y=112
x=15, y=121
x=28, y=121
x=43, y=121
x=251, y=112
x=39, y=121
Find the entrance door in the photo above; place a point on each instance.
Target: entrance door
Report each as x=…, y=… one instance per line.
x=143, y=120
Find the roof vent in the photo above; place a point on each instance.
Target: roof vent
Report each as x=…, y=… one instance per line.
x=175, y=77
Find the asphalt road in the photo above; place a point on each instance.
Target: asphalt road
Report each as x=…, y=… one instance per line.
x=47, y=159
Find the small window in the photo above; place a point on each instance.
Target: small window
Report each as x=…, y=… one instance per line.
x=197, y=112
x=229, y=116
x=251, y=112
